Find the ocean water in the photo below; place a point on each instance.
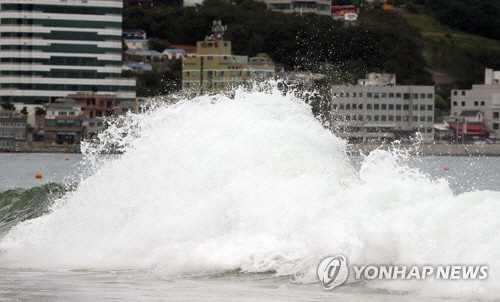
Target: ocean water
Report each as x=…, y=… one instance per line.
x=239, y=199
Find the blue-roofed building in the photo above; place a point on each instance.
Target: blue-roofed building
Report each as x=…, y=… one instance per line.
x=139, y=67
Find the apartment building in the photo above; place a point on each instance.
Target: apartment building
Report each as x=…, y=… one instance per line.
x=377, y=110
x=51, y=48
x=63, y=122
x=215, y=69
x=483, y=100
x=13, y=130
x=320, y=7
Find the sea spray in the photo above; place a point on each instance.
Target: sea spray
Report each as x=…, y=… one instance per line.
x=254, y=183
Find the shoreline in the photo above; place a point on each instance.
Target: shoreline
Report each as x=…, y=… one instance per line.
x=430, y=149
x=354, y=149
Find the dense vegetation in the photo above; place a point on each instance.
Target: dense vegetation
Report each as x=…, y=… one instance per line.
x=454, y=40
x=308, y=42
x=478, y=17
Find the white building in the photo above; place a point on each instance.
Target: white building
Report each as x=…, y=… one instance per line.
x=172, y=53
x=320, y=7
x=378, y=110
x=192, y=2
x=51, y=48
x=483, y=98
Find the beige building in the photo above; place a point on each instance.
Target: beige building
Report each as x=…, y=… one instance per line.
x=378, y=110
x=215, y=69
x=483, y=100
x=13, y=131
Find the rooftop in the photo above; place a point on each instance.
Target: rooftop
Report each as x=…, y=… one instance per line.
x=470, y=112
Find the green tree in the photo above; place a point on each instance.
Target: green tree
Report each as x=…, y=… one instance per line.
x=158, y=44
x=8, y=106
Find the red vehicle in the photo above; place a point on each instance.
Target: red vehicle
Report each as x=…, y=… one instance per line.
x=340, y=10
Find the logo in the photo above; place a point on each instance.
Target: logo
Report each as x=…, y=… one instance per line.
x=332, y=271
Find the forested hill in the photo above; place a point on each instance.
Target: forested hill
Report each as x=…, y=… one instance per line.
x=414, y=46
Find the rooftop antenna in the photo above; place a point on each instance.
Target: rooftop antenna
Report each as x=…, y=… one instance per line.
x=217, y=31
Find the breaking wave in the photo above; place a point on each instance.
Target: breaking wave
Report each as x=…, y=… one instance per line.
x=254, y=183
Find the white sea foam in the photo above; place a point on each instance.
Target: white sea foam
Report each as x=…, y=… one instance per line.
x=256, y=184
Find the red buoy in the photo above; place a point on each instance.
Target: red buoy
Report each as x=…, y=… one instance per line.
x=446, y=168
x=67, y=158
x=38, y=175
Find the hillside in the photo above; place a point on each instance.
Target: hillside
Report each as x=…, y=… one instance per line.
x=417, y=47
x=452, y=56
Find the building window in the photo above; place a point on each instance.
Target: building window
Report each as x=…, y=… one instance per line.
x=455, y=103
x=495, y=126
x=369, y=94
x=376, y=95
x=476, y=103
x=354, y=94
x=376, y=106
x=455, y=92
x=398, y=95
x=429, y=118
x=496, y=115
x=347, y=106
x=463, y=92
x=360, y=106
x=334, y=106
x=398, y=118
x=415, y=118
x=383, y=118
x=384, y=95
x=429, y=107
x=429, y=96
x=422, y=118
x=398, y=106
x=354, y=106
x=341, y=106
x=482, y=103
x=406, y=96
x=384, y=106
x=360, y=118
x=463, y=103
x=415, y=96
x=368, y=117
x=422, y=107
x=376, y=118
x=391, y=118
x=406, y=118
x=391, y=95
x=347, y=94
x=360, y=94
x=368, y=106
x=406, y=107
x=391, y=106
